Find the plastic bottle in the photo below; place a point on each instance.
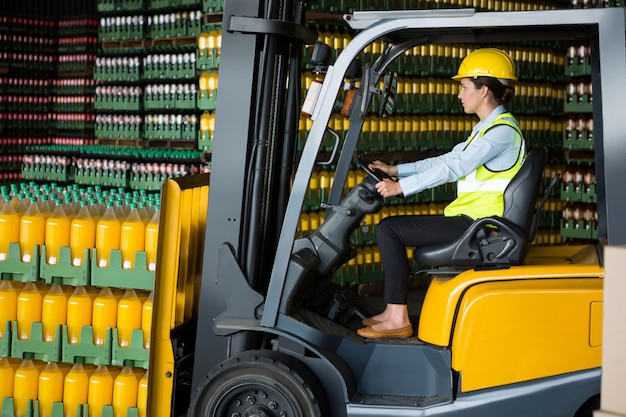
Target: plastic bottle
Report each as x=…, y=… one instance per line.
x=100, y=390
x=146, y=320
x=132, y=237
x=143, y=212
x=29, y=304
x=142, y=396
x=50, y=388
x=119, y=210
x=151, y=241
x=21, y=204
x=94, y=212
x=53, y=312
x=45, y=207
x=129, y=311
x=68, y=207
x=104, y=315
x=7, y=375
x=9, y=228
x=25, y=386
x=125, y=389
x=32, y=231
x=75, y=389
x=57, y=233
x=82, y=234
x=108, y=231
x=79, y=312
x=8, y=304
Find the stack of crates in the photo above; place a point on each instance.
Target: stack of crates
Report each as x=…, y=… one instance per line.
x=75, y=305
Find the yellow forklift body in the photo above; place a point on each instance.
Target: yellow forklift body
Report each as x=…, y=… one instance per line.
x=489, y=318
x=497, y=340
x=184, y=209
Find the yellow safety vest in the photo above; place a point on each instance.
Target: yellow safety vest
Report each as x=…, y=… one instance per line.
x=481, y=193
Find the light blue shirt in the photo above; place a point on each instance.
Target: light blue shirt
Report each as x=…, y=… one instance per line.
x=496, y=150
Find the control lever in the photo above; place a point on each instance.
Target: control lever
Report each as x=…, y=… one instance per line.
x=347, y=211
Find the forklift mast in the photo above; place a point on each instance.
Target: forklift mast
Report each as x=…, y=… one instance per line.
x=253, y=155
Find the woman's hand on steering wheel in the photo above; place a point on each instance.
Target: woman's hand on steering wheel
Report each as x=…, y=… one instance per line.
x=371, y=168
x=388, y=188
x=390, y=170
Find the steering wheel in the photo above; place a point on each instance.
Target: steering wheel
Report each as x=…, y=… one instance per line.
x=375, y=173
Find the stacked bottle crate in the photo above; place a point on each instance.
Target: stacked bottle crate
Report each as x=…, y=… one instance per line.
x=77, y=267
x=578, y=192
x=72, y=101
x=146, y=74
x=26, y=69
x=105, y=97
x=112, y=166
x=207, y=62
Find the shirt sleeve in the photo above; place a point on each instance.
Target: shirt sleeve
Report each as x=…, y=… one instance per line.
x=460, y=161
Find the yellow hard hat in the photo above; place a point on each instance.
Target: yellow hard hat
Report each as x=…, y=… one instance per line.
x=487, y=62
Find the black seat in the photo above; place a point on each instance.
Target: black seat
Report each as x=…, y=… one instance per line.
x=508, y=243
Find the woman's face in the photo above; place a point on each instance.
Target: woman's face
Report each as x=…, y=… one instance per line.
x=470, y=96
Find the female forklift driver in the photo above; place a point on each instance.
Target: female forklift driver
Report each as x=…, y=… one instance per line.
x=482, y=166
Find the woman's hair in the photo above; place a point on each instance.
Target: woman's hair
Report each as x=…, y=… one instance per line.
x=501, y=90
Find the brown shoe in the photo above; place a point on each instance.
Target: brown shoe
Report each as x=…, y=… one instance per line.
x=400, y=333
x=369, y=322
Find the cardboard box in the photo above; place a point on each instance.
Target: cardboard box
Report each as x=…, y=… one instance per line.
x=613, y=400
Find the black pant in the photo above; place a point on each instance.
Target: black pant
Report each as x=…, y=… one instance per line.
x=395, y=233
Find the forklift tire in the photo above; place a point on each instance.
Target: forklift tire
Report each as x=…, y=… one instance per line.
x=261, y=383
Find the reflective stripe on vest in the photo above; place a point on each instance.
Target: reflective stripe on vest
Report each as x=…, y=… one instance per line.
x=480, y=193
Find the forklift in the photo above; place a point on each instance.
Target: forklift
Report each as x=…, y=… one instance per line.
x=505, y=328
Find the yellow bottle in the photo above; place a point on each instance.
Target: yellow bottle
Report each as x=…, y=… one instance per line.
x=107, y=235
x=146, y=320
x=202, y=40
x=75, y=389
x=151, y=242
x=142, y=396
x=32, y=231
x=9, y=228
x=53, y=312
x=79, y=312
x=8, y=304
x=100, y=390
x=129, y=312
x=29, y=306
x=25, y=386
x=7, y=375
x=57, y=233
x=82, y=234
x=132, y=237
x=124, y=392
x=50, y=389
x=104, y=315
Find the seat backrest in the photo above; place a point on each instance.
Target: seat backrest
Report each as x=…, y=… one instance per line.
x=520, y=196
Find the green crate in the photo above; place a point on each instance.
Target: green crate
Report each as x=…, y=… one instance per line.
x=35, y=347
x=138, y=278
x=135, y=355
x=571, y=192
x=13, y=268
x=578, y=230
x=86, y=351
x=212, y=6
x=63, y=272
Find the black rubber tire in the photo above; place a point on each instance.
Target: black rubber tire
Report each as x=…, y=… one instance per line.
x=261, y=384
